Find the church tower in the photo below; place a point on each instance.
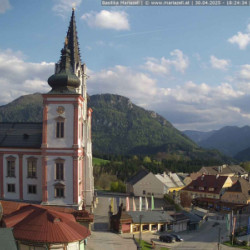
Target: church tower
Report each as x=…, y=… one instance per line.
x=66, y=144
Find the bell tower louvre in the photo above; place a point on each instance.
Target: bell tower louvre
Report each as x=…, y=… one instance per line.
x=54, y=165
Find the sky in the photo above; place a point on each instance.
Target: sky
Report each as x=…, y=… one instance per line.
x=189, y=64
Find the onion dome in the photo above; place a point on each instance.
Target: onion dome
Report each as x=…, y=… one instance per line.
x=64, y=79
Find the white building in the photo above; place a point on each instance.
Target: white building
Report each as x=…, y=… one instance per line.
x=51, y=162
x=157, y=185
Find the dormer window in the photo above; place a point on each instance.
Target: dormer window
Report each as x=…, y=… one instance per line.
x=60, y=127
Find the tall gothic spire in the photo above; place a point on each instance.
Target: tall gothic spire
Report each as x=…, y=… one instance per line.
x=65, y=78
x=73, y=45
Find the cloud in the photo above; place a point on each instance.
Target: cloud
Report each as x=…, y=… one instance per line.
x=200, y=106
x=123, y=81
x=4, y=6
x=117, y=20
x=244, y=73
x=221, y=64
x=241, y=39
x=62, y=7
x=179, y=62
x=187, y=106
x=242, y=78
x=18, y=77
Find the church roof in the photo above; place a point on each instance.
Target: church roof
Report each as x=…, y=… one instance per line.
x=21, y=135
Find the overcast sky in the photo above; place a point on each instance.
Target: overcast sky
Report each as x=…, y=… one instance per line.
x=189, y=64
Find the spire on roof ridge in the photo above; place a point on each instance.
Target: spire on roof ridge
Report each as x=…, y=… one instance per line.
x=73, y=45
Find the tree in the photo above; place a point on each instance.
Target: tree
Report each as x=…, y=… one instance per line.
x=246, y=165
x=118, y=186
x=186, y=200
x=147, y=159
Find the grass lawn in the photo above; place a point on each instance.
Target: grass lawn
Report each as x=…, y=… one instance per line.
x=98, y=161
x=227, y=243
x=146, y=246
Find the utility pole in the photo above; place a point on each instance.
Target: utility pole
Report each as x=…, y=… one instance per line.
x=219, y=238
x=140, y=216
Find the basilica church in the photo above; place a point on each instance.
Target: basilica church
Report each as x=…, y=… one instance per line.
x=51, y=162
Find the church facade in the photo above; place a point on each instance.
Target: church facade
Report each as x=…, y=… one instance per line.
x=51, y=162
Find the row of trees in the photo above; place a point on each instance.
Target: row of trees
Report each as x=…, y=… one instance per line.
x=121, y=168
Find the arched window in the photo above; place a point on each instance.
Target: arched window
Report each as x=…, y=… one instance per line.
x=31, y=167
x=11, y=161
x=59, y=169
x=60, y=121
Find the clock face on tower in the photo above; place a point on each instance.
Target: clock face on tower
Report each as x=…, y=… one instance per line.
x=60, y=110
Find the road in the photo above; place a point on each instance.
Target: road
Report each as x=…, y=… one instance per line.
x=206, y=238
x=103, y=239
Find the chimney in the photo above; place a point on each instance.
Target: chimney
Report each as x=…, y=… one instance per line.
x=202, y=177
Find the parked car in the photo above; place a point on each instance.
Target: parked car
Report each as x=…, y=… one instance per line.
x=167, y=238
x=177, y=237
x=215, y=224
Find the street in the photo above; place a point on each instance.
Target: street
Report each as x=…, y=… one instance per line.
x=206, y=238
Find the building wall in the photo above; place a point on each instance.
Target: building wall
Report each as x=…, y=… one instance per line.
x=195, y=194
x=78, y=245
x=67, y=141
x=234, y=197
x=228, y=183
x=151, y=185
x=68, y=180
x=180, y=226
x=88, y=167
x=11, y=180
x=32, y=181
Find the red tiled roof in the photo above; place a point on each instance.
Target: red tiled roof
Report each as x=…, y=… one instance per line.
x=206, y=182
x=11, y=206
x=40, y=224
x=80, y=215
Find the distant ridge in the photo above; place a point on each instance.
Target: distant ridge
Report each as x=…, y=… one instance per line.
x=230, y=140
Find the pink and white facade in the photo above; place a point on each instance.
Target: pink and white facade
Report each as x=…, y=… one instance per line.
x=56, y=166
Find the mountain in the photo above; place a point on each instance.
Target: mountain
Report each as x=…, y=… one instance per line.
x=243, y=155
x=126, y=128
x=229, y=140
x=26, y=108
x=120, y=127
x=197, y=136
